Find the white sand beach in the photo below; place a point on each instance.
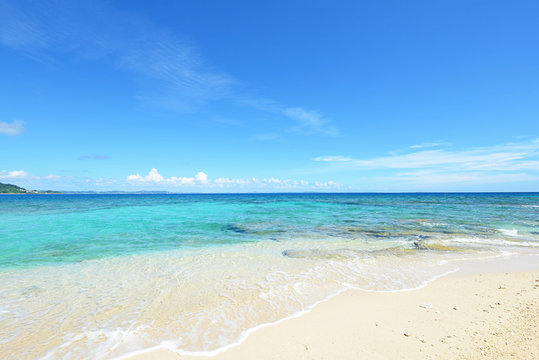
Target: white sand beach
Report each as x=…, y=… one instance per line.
x=488, y=310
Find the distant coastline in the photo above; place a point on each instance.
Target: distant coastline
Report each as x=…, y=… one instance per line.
x=11, y=189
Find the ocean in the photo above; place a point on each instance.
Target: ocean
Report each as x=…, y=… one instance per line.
x=104, y=276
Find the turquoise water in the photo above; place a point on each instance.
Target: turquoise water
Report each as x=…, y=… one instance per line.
x=101, y=276
x=54, y=229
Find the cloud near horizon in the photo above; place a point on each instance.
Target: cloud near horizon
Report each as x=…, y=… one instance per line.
x=14, y=128
x=202, y=180
x=154, y=177
x=330, y=158
x=23, y=175
x=15, y=174
x=432, y=168
x=507, y=157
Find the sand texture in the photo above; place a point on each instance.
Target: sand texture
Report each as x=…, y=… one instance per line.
x=472, y=316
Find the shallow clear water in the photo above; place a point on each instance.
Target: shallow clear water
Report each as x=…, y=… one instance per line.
x=98, y=276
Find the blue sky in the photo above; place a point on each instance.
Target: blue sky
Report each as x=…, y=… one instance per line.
x=270, y=96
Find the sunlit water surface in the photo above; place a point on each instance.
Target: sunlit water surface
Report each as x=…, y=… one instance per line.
x=101, y=276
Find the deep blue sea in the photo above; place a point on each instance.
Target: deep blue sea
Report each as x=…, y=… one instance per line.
x=100, y=276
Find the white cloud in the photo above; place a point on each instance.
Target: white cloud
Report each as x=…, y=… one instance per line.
x=154, y=177
x=181, y=181
x=53, y=177
x=223, y=181
x=201, y=177
x=102, y=182
x=507, y=157
x=310, y=119
x=135, y=177
x=337, y=158
x=429, y=145
x=241, y=182
x=439, y=169
x=13, y=128
x=326, y=184
x=21, y=174
x=15, y=174
x=427, y=179
x=201, y=180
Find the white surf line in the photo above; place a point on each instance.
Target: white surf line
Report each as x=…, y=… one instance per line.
x=169, y=345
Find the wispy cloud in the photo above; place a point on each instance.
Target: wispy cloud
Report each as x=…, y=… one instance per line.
x=273, y=183
x=201, y=180
x=182, y=78
x=14, y=128
x=53, y=177
x=445, y=168
x=18, y=30
x=15, y=174
x=427, y=178
x=93, y=157
x=96, y=31
x=304, y=121
x=310, y=121
x=507, y=157
x=430, y=145
x=171, y=72
x=103, y=182
x=23, y=175
x=331, y=158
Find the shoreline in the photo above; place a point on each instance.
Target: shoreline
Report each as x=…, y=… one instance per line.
x=497, y=293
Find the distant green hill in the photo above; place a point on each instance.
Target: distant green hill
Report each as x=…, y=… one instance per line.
x=14, y=189
x=11, y=189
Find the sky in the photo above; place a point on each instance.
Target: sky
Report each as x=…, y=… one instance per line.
x=280, y=96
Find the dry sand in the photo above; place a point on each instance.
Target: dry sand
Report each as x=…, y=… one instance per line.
x=488, y=315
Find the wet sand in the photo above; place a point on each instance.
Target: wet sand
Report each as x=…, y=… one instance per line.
x=489, y=311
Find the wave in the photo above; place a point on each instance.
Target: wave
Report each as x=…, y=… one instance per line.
x=204, y=301
x=509, y=232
